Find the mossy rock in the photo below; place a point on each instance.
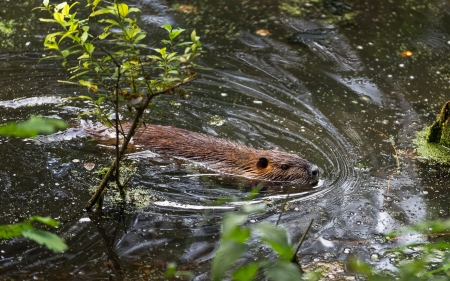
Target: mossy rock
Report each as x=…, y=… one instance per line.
x=430, y=151
x=439, y=132
x=433, y=143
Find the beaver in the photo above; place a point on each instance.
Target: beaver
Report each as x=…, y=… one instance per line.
x=225, y=156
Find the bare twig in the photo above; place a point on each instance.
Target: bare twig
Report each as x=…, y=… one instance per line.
x=282, y=209
x=294, y=257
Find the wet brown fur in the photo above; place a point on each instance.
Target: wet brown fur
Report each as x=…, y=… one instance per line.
x=226, y=156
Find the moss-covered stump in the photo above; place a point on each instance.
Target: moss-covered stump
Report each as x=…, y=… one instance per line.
x=439, y=132
x=433, y=143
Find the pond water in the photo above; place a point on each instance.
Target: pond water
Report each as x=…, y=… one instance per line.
x=328, y=83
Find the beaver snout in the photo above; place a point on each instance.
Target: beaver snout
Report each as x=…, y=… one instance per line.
x=315, y=172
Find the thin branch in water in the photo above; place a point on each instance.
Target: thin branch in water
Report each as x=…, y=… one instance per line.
x=282, y=209
x=294, y=257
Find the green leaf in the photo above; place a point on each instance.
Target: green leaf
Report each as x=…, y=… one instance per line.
x=59, y=17
x=80, y=74
x=32, y=127
x=85, y=83
x=276, y=238
x=239, y=234
x=50, y=240
x=83, y=37
x=193, y=36
x=228, y=252
x=65, y=53
x=139, y=37
x=134, y=10
x=167, y=27
x=122, y=9
x=246, y=272
x=104, y=35
x=171, y=269
x=174, y=33
x=285, y=271
x=102, y=11
x=89, y=47
x=45, y=220
x=231, y=220
x=13, y=230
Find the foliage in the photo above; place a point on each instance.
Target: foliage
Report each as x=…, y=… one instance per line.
x=27, y=230
x=416, y=261
x=120, y=75
x=116, y=68
x=32, y=127
x=233, y=245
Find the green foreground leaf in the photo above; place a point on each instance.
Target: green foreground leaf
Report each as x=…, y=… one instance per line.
x=32, y=127
x=48, y=239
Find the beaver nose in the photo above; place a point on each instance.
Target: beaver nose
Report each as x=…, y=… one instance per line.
x=315, y=171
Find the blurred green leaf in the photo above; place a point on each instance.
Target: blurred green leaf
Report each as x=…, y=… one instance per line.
x=227, y=254
x=14, y=230
x=32, y=127
x=239, y=234
x=230, y=220
x=285, y=271
x=246, y=272
x=48, y=239
x=45, y=220
x=276, y=238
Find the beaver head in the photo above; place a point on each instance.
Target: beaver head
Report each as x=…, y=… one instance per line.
x=279, y=166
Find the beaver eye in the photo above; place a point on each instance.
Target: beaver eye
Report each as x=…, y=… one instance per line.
x=285, y=167
x=262, y=163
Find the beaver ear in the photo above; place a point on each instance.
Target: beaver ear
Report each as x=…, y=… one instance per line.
x=263, y=162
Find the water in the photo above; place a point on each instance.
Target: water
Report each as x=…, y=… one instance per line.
x=325, y=97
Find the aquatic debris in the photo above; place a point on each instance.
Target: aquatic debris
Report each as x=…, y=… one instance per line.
x=262, y=32
x=187, y=9
x=216, y=120
x=89, y=166
x=406, y=54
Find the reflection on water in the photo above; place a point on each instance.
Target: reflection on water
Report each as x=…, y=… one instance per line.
x=317, y=96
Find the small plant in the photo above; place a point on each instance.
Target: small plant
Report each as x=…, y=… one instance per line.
x=27, y=230
x=116, y=68
x=233, y=245
x=415, y=261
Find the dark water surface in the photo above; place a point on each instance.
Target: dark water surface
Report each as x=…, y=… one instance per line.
x=323, y=84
